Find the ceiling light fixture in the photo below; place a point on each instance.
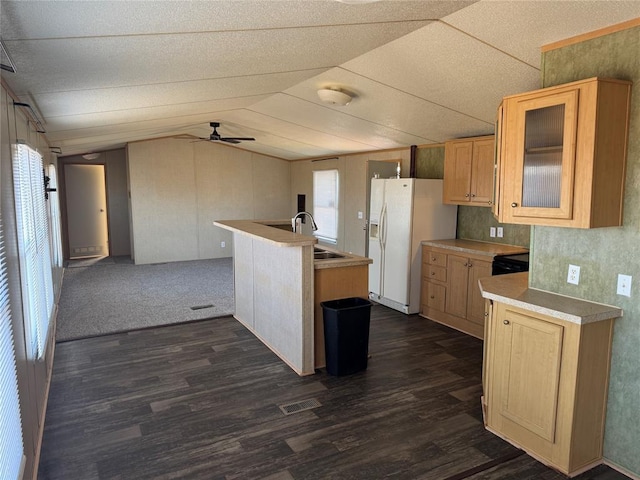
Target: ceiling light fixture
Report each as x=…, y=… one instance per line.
x=334, y=96
x=91, y=156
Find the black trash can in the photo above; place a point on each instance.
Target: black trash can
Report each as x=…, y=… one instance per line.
x=346, y=334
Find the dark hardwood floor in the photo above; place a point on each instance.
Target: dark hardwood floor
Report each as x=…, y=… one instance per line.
x=201, y=401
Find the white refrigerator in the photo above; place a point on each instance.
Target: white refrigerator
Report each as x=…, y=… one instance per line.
x=403, y=212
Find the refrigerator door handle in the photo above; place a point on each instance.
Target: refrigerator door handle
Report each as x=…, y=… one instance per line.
x=381, y=233
x=381, y=240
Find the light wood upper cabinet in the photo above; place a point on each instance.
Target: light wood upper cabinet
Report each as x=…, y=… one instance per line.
x=562, y=155
x=469, y=171
x=545, y=385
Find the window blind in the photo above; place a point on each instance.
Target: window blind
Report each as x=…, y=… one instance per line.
x=33, y=246
x=11, y=442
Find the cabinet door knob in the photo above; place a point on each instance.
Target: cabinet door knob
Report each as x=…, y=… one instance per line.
x=473, y=194
x=466, y=195
x=469, y=265
x=433, y=273
x=506, y=322
x=432, y=297
x=486, y=314
x=514, y=204
x=433, y=259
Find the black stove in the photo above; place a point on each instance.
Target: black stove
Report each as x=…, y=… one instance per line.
x=503, y=264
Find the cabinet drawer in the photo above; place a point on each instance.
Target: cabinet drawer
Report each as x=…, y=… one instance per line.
x=436, y=258
x=436, y=273
x=435, y=296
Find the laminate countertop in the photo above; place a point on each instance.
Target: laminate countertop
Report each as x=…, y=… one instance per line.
x=270, y=231
x=476, y=247
x=513, y=289
x=262, y=229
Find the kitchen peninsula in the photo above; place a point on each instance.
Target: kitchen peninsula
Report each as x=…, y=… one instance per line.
x=278, y=287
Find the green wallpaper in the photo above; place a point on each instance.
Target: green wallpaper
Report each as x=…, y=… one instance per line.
x=430, y=162
x=474, y=223
x=604, y=253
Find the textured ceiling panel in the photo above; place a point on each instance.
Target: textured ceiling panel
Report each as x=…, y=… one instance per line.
x=449, y=68
x=321, y=118
x=284, y=128
x=520, y=28
x=22, y=20
x=80, y=102
x=151, y=59
x=104, y=73
x=108, y=124
x=403, y=112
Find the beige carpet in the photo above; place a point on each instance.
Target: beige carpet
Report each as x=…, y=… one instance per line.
x=109, y=297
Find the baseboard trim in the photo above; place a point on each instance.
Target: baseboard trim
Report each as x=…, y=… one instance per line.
x=620, y=469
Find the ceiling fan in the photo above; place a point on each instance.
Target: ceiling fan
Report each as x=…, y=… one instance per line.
x=215, y=136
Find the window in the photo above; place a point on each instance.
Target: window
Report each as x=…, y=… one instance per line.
x=11, y=442
x=33, y=247
x=325, y=204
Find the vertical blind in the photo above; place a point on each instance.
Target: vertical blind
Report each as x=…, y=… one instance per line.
x=33, y=247
x=11, y=443
x=325, y=204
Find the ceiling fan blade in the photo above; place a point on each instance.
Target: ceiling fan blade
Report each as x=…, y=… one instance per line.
x=229, y=140
x=241, y=139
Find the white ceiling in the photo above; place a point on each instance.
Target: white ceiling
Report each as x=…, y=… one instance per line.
x=104, y=73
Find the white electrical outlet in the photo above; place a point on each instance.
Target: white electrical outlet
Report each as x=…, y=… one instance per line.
x=223, y=244
x=624, y=285
x=492, y=231
x=500, y=232
x=360, y=215
x=574, y=274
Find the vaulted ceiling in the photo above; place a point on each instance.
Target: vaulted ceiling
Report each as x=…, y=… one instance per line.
x=104, y=73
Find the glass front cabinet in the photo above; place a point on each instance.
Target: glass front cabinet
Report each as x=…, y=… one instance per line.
x=561, y=155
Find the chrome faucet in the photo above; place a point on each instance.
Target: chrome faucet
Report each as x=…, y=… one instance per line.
x=294, y=224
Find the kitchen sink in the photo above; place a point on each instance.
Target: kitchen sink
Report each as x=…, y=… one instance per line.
x=323, y=254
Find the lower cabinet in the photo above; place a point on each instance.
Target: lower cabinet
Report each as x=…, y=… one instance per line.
x=333, y=284
x=450, y=292
x=545, y=385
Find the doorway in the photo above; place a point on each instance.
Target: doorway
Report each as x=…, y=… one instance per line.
x=86, y=202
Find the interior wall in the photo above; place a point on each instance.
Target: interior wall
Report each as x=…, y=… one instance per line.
x=474, y=223
x=178, y=188
x=33, y=376
x=352, y=170
x=603, y=253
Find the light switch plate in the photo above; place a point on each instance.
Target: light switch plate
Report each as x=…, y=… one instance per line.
x=500, y=232
x=573, y=276
x=492, y=231
x=360, y=215
x=624, y=285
